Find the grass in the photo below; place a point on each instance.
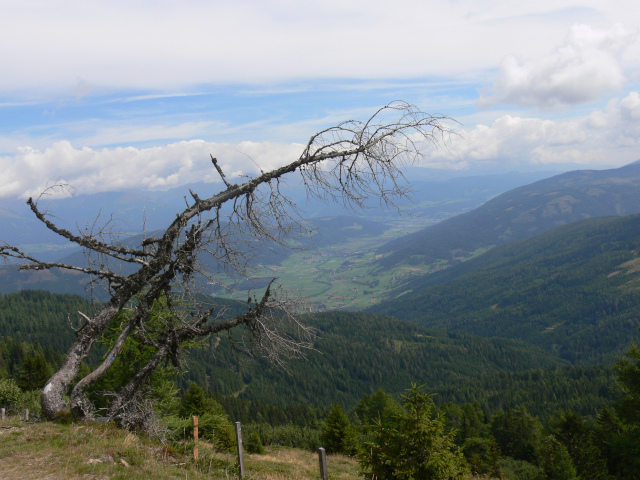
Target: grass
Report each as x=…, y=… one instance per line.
x=286, y=463
x=341, y=277
x=92, y=451
x=347, y=275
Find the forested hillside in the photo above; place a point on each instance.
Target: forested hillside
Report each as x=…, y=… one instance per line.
x=354, y=354
x=573, y=291
x=359, y=353
x=521, y=213
x=41, y=317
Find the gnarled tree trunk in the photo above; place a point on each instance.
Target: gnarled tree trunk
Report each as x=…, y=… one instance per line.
x=53, y=395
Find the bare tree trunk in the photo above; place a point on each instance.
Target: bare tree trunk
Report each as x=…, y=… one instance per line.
x=52, y=398
x=80, y=408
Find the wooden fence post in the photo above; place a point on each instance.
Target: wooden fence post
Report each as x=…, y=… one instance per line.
x=2, y=411
x=26, y=415
x=240, y=455
x=322, y=457
x=195, y=438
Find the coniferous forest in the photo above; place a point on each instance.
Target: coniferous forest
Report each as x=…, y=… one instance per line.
x=498, y=407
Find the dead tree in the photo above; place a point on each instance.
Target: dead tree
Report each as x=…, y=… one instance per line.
x=349, y=163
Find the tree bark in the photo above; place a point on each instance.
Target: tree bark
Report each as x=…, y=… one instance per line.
x=52, y=397
x=79, y=408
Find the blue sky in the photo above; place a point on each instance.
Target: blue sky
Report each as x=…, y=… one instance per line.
x=122, y=95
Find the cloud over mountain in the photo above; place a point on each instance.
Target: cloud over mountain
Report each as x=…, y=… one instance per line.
x=515, y=140
x=88, y=170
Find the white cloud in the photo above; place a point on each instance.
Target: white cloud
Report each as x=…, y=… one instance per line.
x=87, y=170
x=610, y=137
x=587, y=66
x=164, y=45
x=604, y=137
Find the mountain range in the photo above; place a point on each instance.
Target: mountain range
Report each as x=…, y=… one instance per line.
x=523, y=212
x=129, y=212
x=134, y=210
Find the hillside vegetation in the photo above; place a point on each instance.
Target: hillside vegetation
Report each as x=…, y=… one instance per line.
x=96, y=451
x=492, y=395
x=572, y=291
x=354, y=354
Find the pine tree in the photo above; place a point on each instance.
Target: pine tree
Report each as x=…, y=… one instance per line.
x=254, y=444
x=338, y=436
x=518, y=434
x=377, y=407
x=34, y=373
x=194, y=401
x=414, y=446
x=577, y=436
x=556, y=461
x=627, y=444
x=10, y=393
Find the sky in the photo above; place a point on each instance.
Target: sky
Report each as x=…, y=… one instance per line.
x=119, y=95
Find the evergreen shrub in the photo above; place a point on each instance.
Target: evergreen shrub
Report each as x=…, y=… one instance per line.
x=10, y=394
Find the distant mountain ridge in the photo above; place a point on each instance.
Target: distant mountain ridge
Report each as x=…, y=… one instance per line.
x=134, y=209
x=521, y=213
x=329, y=223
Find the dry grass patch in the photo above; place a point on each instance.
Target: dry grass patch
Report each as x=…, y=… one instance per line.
x=292, y=464
x=50, y=451
x=87, y=451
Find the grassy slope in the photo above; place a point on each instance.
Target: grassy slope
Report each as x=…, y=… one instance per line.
x=66, y=452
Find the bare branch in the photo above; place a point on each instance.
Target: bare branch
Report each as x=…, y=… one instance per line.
x=220, y=172
x=8, y=251
x=89, y=242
